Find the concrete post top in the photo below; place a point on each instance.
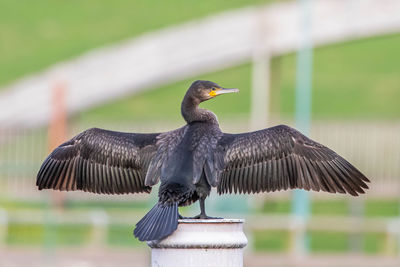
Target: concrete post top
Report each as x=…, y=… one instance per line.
x=211, y=221
x=205, y=234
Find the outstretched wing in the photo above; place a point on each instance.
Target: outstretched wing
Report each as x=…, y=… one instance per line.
x=99, y=161
x=281, y=158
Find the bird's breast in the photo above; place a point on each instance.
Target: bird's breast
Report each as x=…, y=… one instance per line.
x=195, y=149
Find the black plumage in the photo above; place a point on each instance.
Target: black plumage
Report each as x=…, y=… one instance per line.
x=191, y=160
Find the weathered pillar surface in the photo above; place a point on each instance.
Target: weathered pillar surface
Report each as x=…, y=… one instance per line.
x=216, y=242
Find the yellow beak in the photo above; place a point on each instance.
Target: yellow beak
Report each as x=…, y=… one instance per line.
x=221, y=91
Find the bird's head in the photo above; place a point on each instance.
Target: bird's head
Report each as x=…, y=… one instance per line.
x=205, y=90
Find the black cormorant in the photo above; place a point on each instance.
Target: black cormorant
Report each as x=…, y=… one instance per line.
x=191, y=160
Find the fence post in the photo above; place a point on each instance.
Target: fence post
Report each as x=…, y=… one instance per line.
x=3, y=227
x=58, y=128
x=392, y=240
x=100, y=223
x=216, y=242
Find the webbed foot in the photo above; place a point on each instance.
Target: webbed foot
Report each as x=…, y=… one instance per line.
x=204, y=217
x=180, y=217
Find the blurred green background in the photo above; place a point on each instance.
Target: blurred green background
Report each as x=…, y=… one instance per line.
x=355, y=84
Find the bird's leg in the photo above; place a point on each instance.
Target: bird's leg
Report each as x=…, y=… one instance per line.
x=203, y=214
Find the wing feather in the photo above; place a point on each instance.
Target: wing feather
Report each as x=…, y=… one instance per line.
x=100, y=161
x=279, y=158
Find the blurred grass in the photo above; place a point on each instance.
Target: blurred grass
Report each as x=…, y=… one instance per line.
x=374, y=243
x=272, y=206
x=36, y=235
x=358, y=79
x=273, y=241
x=270, y=240
x=122, y=235
x=73, y=205
x=372, y=207
x=24, y=234
x=164, y=103
x=36, y=34
x=354, y=79
x=322, y=241
x=108, y=205
x=382, y=208
x=330, y=207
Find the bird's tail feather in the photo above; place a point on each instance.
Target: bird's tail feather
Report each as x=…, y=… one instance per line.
x=159, y=222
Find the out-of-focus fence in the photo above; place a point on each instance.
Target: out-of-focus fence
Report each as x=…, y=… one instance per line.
x=371, y=146
x=98, y=222
x=374, y=147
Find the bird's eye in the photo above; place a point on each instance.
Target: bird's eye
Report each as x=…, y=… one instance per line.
x=213, y=89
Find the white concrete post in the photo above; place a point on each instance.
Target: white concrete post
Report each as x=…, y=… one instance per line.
x=216, y=242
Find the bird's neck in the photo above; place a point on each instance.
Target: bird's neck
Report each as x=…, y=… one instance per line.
x=191, y=112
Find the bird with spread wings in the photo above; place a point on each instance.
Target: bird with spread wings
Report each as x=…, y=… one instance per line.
x=189, y=161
